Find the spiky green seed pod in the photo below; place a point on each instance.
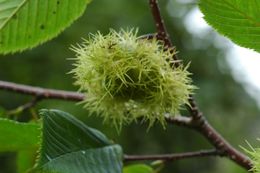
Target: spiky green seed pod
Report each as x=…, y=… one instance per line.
x=126, y=78
x=255, y=156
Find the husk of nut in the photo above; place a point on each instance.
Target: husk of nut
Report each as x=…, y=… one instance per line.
x=126, y=78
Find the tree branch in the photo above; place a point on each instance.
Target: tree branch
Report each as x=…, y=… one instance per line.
x=214, y=138
x=159, y=23
x=173, y=157
x=180, y=120
x=222, y=145
x=198, y=120
x=41, y=92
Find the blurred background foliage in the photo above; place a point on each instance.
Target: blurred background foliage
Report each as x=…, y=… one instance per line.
x=223, y=100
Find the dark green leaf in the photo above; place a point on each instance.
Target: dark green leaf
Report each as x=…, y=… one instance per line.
x=100, y=160
x=69, y=146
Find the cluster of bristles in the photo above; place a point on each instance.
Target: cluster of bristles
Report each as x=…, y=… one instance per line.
x=254, y=154
x=126, y=78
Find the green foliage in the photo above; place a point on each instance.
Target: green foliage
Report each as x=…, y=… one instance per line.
x=25, y=160
x=138, y=168
x=17, y=136
x=237, y=19
x=69, y=146
x=27, y=23
x=125, y=78
x=2, y=112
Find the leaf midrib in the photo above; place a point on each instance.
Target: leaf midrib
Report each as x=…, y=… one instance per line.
x=15, y=11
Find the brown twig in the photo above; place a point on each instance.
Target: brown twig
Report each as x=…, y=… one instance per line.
x=161, y=29
x=173, y=157
x=222, y=145
x=180, y=120
x=41, y=92
x=25, y=106
x=204, y=128
x=198, y=120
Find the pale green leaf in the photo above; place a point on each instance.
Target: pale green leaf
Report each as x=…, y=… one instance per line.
x=237, y=19
x=138, y=168
x=16, y=136
x=69, y=146
x=27, y=23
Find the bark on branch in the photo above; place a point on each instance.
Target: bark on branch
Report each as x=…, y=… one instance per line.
x=173, y=157
x=41, y=92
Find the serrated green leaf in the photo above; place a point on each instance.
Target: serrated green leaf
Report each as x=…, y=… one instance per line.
x=69, y=146
x=27, y=23
x=138, y=168
x=62, y=133
x=15, y=136
x=237, y=19
x=100, y=160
